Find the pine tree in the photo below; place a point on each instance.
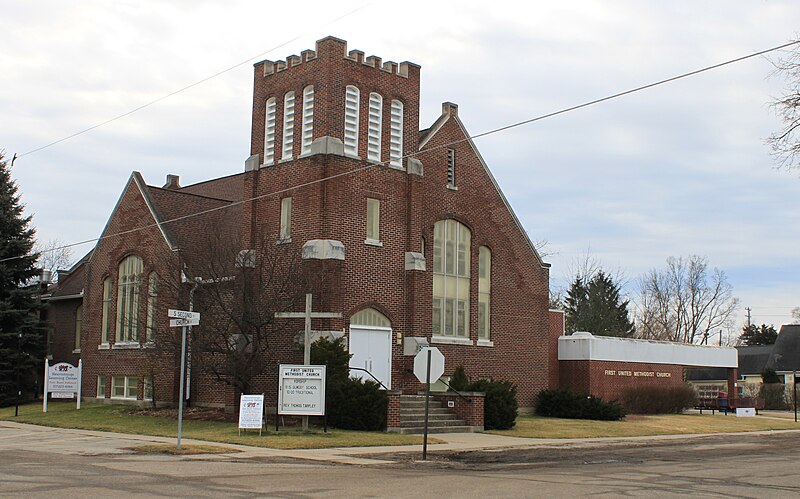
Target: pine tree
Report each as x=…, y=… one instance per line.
x=596, y=306
x=21, y=334
x=754, y=335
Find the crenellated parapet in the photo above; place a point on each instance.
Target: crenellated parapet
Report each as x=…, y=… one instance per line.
x=331, y=47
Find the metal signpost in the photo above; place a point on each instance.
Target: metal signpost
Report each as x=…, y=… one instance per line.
x=182, y=318
x=428, y=368
x=794, y=390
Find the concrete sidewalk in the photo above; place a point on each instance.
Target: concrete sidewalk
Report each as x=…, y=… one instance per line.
x=74, y=441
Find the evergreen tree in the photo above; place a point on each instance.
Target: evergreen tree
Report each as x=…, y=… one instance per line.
x=755, y=335
x=596, y=306
x=21, y=341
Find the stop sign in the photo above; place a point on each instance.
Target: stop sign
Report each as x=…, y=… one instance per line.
x=421, y=364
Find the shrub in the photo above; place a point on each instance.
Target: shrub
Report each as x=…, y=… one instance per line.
x=500, y=405
x=459, y=381
x=774, y=396
x=354, y=404
x=658, y=400
x=567, y=404
x=351, y=404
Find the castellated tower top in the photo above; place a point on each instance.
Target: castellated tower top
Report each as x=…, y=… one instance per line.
x=330, y=47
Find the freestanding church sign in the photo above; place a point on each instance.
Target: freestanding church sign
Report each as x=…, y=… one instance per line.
x=62, y=380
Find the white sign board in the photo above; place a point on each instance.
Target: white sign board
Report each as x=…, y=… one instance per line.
x=63, y=378
x=421, y=364
x=62, y=381
x=745, y=412
x=251, y=411
x=183, y=314
x=301, y=390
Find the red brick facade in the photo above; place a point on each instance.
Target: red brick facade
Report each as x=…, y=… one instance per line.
x=609, y=380
x=329, y=193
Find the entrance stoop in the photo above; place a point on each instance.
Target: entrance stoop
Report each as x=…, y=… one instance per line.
x=440, y=418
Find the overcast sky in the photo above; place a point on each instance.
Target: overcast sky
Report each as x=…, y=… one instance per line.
x=675, y=170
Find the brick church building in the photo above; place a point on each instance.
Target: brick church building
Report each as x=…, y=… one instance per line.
x=404, y=232
x=413, y=236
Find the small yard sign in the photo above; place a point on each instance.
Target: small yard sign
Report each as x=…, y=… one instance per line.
x=62, y=381
x=251, y=412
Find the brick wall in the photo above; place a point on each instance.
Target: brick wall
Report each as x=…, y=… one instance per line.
x=609, y=380
x=469, y=408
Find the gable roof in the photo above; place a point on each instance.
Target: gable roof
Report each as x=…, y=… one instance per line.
x=450, y=111
x=785, y=354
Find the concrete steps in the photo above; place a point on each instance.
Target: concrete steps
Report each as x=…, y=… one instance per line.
x=440, y=418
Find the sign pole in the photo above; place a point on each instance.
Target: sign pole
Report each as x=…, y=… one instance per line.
x=183, y=381
x=307, y=345
x=46, y=383
x=794, y=389
x=80, y=381
x=19, y=388
x=427, y=398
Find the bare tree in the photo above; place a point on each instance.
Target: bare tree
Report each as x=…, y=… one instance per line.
x=53, y=256
x=237, y=293
x=785, y=143
x=796, y=315
x=685, y=301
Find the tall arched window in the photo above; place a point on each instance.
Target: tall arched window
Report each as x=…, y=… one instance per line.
x=269, y=131
x=288, y=125
x=308, y=120
x=484, y=291
x=374, y=127
x=451, y=278
x=396, y=134
x=106, y=323
x=130, y=275
x=352, y=105
x=152, y=298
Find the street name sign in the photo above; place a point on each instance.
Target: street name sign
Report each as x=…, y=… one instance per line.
x=184, y=322
x=183, y=314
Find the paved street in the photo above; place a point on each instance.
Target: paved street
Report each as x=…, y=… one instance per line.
x=39, y=462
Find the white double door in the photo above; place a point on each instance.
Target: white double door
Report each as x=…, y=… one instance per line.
x=371, y=348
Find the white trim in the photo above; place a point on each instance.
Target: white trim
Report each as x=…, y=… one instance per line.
x=373, y=242
x=126, y=345
x=485, y=343
x=104, y=346
x=451, y=340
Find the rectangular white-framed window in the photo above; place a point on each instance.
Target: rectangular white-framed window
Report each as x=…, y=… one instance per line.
x=396, y=134
x=307, y=129
x=286, y=219
x=78, y=326
x=373, y=220
x=374, y=127
x=288, y=126
x=101, y=386
x=106, y=322
x=451, y=168
x=270, y=119
x=125, y=387
x=352, y=108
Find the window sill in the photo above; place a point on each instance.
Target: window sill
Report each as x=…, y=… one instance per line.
x=485, y=343
x=267, y=165
x=77, y=350
x=396, y=167
x=285, y=240
x=285, y=160
x=449, y=340
x=123, y=398
x=126, y=345
x=149, y=344
x=373, y=242
x=352, y=156
x=104, y=346
x=452, y=187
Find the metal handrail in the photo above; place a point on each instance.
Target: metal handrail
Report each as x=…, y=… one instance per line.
x=371, y=375
x=469, y=401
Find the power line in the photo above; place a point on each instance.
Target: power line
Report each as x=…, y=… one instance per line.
x=472, y=137
x=187, y=87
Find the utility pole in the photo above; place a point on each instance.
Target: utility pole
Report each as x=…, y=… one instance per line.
x=748, y=309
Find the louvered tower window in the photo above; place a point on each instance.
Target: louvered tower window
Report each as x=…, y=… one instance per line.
x=308, y=120
x=269, y=131
x=375, y=124
x=451, y=168
x=396, y=134
x=352, y=103
x=288, y=125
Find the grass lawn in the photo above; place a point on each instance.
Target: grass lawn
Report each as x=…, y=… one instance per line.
x=635, y=426
x=105, y=417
